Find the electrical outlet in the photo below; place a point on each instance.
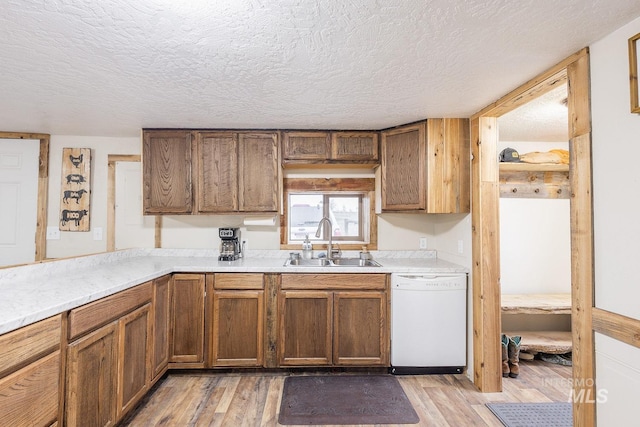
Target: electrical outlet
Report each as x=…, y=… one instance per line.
x=423, y=243
x=53, y=233
x=97, y=233
x=460, y=247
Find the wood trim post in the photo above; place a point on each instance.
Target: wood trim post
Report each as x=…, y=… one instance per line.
x=158, y=235
x=582, y=282
x=485, y=229
x=43, y=193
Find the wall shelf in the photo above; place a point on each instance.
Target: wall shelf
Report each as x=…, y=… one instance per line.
x=533, y=167
x=552, y=342
x=537, y=181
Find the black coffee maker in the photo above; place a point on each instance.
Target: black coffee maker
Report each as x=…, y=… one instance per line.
x=230, y=249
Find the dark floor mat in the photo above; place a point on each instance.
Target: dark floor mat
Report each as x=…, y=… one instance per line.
x=556, y=414
x=345, y=399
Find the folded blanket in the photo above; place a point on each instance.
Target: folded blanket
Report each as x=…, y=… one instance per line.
x=556, y=156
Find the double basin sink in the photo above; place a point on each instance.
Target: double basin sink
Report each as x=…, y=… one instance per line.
x=336, y=262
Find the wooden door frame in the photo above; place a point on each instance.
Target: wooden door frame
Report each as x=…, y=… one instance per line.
x=486, y=230
x=43, y=188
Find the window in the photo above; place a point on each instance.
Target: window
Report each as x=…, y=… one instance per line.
x=345, y=211
x=346, y=202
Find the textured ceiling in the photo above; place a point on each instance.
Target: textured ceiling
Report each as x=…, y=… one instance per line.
x=545, y=119
x=111, y=67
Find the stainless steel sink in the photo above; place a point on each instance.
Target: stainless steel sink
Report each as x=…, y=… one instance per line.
x=313, y=262
x=337, y=262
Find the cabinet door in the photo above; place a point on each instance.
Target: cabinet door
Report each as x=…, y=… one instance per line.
x=161, y=308
x=259, y=172
x=91, y=379
x=29, y=396
x=360, y=325
x=403, y=168
x=166, y=162
x=305, y=328
x=238, y=328
x=187, y=319
x=217, y=170
x=448, y=166
x=134, y=340
x=305, y=146
x=356, y=146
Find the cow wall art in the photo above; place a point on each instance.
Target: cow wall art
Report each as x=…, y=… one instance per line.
x=75, y=191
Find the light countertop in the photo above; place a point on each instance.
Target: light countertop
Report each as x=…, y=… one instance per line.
x=34, y=292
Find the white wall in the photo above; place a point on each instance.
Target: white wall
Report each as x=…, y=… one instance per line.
x=81, y=243
x=535, y=237
x=395, y=231
x=616, y=154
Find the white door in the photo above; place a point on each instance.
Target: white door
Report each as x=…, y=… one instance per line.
x=19, y=160
x=133, y=230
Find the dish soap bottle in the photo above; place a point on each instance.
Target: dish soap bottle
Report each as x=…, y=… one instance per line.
x=307, y=248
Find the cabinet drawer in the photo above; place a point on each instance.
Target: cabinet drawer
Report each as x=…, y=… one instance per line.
x=24, y=345
x=238, y=281
x=30, y=395
x=90, y=316
x=334, y=281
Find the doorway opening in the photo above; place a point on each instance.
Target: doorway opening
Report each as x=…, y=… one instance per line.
x=485, y=214
x=535, y=229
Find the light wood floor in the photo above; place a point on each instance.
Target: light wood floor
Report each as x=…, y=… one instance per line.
x=253, y=399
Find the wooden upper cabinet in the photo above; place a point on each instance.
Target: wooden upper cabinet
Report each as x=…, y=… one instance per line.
x=166, y=159
x=329, y=148
x=217, y=171
x=354, y=146
x=259, y=172
x=448, y=166
x=230, y=172
x=426, y=167
x=403, y=168
x=305, y=146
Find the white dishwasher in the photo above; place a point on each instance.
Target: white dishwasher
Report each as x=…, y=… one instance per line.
x=428, y=323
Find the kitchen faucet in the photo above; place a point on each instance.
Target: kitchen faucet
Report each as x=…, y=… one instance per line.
x=329, y=245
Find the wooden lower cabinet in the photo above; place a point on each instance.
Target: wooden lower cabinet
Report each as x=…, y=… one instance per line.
x=161, y=309
x=359, y=335
x=108, y=359
x=237, y=322
x=186, y=345
x=30, y=366
x=305, y=328
x=238, y=328
x=29, y=396
x=343, y=322
x=134, y=331
x=91, y=378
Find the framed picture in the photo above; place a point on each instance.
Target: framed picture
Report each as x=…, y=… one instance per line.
x=634, y=65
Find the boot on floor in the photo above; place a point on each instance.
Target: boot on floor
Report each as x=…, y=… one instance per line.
x=505, y=355
x=514, y=356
